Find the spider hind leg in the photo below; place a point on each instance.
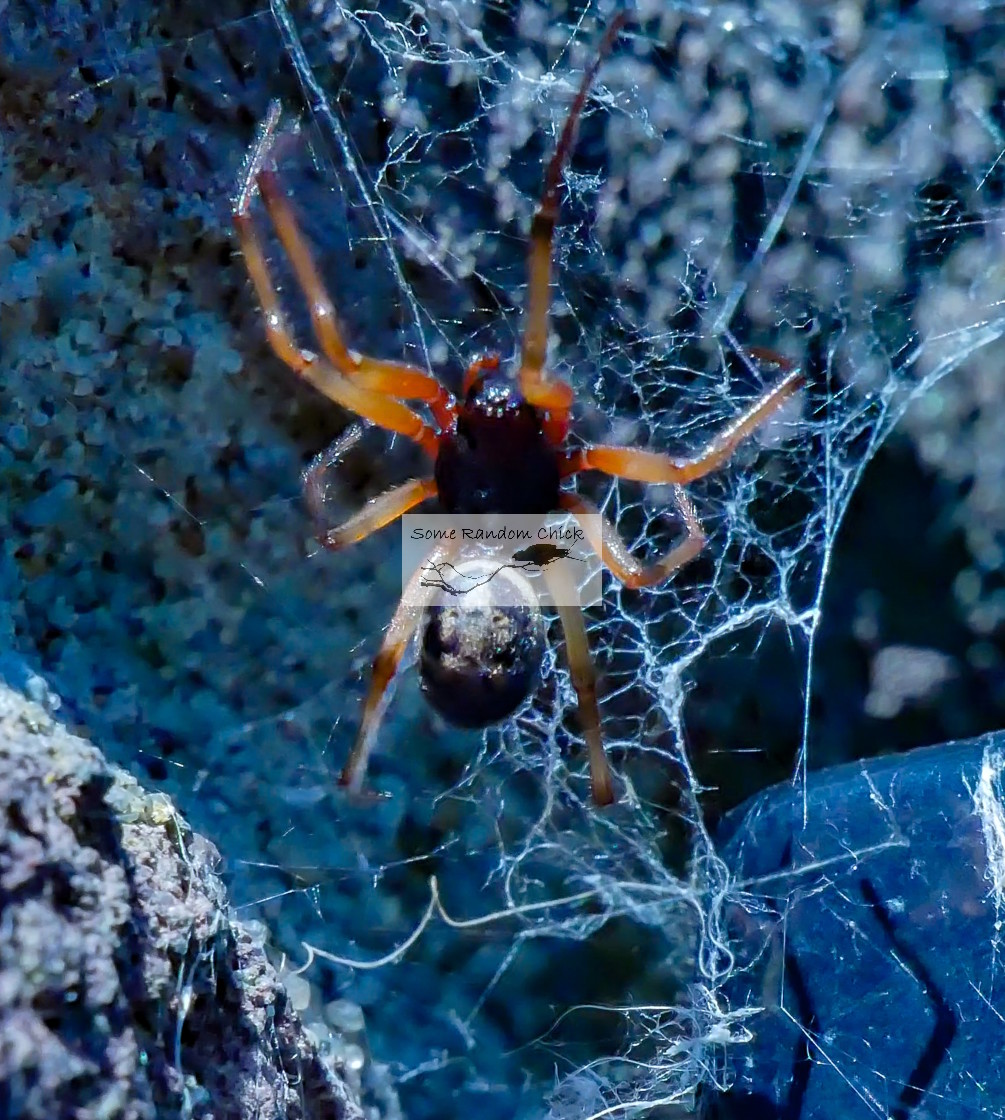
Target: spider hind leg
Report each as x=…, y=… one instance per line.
x=416, y=598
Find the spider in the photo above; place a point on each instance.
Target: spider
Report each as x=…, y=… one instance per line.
x=500, y=448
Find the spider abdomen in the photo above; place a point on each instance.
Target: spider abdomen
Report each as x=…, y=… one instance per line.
x=497, y=459
x=481, y=658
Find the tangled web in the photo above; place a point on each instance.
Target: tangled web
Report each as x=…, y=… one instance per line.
x=755, y=177
x=751, y=179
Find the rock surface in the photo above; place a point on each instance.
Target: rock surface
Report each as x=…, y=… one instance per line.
x=126, y=989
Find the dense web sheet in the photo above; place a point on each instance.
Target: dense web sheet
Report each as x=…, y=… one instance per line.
x=754, y=176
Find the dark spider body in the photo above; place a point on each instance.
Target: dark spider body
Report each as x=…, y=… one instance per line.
x=478, y=664
x=497, y=459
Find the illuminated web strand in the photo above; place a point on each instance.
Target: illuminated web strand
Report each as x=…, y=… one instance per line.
x=781, y=212
x=318, y=103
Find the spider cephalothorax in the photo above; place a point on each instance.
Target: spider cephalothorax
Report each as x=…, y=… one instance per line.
x=500, y=450
x=498, y=458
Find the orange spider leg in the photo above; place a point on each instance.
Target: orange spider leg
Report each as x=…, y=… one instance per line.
x=378, y=512
x=342, y=383
x=654, y=466
x=398, y=379
x=552, y=395
x=399, y=633
x=477, y=370
x=371, y=405
x=556, y=427
x=612, y=550
x=322, y=311
x=584, y=679
x=314, y=479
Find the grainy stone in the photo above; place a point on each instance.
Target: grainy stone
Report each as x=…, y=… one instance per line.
x=126, y=988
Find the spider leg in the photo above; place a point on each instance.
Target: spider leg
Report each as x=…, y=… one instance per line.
x=654, y=466
x=477, y=369
x=374, y=515
x=406, y=619
x=536, y=388
x=362, y=385
x=556, y=426
x=397, y=379
x=613, y=551
x=405, y=382
x=314, y=478
x=584, y=680
x=372, y=406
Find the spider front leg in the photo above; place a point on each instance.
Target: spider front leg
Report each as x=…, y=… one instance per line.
x=377, y=513
x=373, y=406
x=403, y=625
x=537, y=389
x=584, y=679
x=370, y=387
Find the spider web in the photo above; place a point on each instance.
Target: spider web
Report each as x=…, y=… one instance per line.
x=734, y=188
x=751, y=177
x=744, y=180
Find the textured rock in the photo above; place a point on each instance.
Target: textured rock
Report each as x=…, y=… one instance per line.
x=126, y=989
